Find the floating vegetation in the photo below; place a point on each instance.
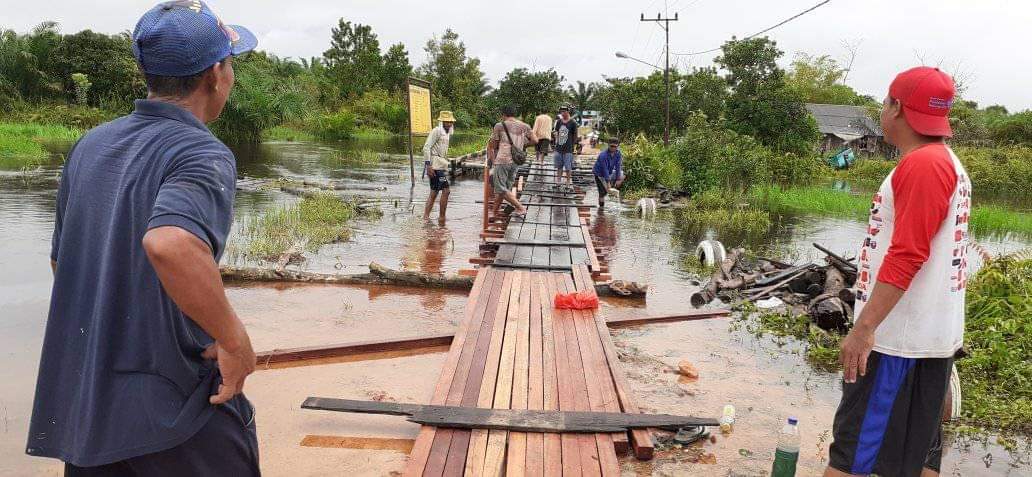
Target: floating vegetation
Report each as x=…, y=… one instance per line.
x=306, y=225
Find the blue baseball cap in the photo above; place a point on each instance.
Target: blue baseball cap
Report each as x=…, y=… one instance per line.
x=184, y=37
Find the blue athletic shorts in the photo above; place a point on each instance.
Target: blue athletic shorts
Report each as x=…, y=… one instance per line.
x=438, y=180
x=564, y=160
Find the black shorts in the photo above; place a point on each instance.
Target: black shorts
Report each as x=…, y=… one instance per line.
x=226, y=445
x=542, y=146
x=890, y=421
x=438, y=180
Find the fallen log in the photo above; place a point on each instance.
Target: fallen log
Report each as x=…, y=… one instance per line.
x=385, y=276
x=723, y=272
x=518, y=420
x=828, y=310
x=378, y=275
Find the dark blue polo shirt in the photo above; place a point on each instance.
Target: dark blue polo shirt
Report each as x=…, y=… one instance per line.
x=121, y=373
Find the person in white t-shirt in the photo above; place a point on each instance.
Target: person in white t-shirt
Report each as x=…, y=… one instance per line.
x=911, y=279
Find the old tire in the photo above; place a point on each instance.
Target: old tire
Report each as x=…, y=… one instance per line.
x=710, y=253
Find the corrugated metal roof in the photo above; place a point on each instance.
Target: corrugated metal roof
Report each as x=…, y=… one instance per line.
x=842, y=119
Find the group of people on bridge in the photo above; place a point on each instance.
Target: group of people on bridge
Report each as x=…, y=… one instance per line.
x=506, y=151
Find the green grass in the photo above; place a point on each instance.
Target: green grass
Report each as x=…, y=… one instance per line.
x=821, y=347
x=985, y=219
x=996, y=377
x=287, y=133
x=367, y=132
x=467, y=147
x=22, y=143
x=304, y=226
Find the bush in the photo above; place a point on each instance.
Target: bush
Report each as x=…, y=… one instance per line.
x=1013, y=129
x=714, y=157
x=335, y=126
x=647, y=165
x=70, y=116
x=789, y=169
x=378, y=109
x=1002, y=171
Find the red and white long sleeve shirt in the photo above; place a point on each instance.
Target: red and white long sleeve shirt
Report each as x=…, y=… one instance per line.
x=917, y=240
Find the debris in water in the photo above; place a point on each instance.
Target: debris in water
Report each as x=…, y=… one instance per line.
x=687, y=369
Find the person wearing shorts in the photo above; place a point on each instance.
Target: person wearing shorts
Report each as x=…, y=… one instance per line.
x=435, y=162
x=564, y=137
x=911, y=279
x=543, y=130
x=508, y=135
x=608, y=170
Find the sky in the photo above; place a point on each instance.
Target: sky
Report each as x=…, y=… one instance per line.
x=983, y=42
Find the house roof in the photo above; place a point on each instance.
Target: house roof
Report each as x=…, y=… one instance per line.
x=843, y=121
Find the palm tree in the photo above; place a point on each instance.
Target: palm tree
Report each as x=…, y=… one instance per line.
x=581, y=96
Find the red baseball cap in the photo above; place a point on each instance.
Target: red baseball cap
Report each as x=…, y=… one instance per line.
x=926, y=94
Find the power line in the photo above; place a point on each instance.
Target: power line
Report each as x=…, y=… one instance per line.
x=765, y=30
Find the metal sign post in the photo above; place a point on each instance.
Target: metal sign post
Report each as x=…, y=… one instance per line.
x=417, y=95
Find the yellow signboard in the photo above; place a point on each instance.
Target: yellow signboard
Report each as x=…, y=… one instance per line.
x=419, y=109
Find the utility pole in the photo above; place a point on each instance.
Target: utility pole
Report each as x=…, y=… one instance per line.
x=665, y=24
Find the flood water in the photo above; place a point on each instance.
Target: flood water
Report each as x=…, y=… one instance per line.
x=765, y=381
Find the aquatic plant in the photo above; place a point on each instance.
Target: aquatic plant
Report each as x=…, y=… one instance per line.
x=310, y=223
x=21, y=144
x=996, y=377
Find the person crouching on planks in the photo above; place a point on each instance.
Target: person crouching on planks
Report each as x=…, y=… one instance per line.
x=435, y=163
x=608, y=171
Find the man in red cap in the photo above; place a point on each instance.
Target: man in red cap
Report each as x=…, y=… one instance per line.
x=910, y=287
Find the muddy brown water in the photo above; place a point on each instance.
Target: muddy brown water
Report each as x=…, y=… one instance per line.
x=765, y=381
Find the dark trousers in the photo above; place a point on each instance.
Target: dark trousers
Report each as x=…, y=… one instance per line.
x=226, y=446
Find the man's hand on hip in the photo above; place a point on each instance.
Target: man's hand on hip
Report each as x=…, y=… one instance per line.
x=234, y=366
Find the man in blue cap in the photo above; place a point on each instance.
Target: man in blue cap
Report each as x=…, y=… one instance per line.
x=144, y=360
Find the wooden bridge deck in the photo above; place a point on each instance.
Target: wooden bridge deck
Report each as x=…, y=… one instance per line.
x=514, y=350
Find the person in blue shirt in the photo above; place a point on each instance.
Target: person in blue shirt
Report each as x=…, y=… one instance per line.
x=608, y=170
x=144, y=360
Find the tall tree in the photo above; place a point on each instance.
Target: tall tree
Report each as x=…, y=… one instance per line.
x=582, y=97
x=531, y=93
x=353, y=60
x=761, y=105
x=456, y=79
x=108, y=61
x=819, y=79
x=396, y=68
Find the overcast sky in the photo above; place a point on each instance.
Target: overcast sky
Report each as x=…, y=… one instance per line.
x=985, y=41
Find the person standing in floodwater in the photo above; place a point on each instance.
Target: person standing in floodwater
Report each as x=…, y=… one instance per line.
x=435, y=162
x=564, y=138
x=144, y=360
x=912, y=275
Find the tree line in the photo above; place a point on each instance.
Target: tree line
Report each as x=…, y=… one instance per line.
x=357, y=86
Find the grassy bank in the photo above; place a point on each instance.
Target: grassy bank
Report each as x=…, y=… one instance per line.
x=985, y=219
x=22, y=143
x=304, y=226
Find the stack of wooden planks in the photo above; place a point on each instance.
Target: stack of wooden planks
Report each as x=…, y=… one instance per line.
x=515, y=351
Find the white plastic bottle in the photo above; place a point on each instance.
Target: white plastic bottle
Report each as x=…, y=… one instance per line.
x=727, y=419
x=787, y=454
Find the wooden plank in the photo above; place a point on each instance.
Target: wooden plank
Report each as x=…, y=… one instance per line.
x=590, y=247
x=421, y=450
x=587, y=446
x=601, y=395
x=494, y=458
x=471, y=368
x=485, y=396
x=689, y=316
x=535, y=379
x=481, y=366
x=550, y=385
x=571, y=462
x=641, y=440
x=538, y=243
x=539, y=253
x=516, y=458
x=357, y=349
x=532, y=267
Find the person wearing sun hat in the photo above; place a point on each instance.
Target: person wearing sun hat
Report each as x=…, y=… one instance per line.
x=144, y=360
x=435, y=163
x=912, y=274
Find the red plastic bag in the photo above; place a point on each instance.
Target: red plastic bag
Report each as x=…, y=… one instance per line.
x=582, y=300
